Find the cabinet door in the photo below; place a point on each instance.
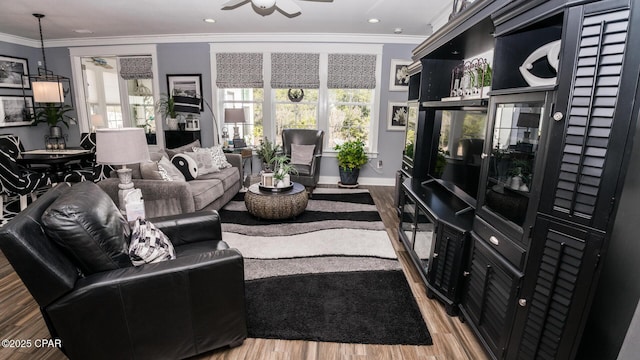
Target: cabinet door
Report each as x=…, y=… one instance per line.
x=407, y=220
x=593, y=113
x=445, y=271
x=559, y=279
x=424, y=235
x=490, y=298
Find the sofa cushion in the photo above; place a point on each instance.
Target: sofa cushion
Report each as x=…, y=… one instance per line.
x=205, y=192
x=204, y=161
x=183, y=148
x=86, y=223
x=217, y=155
x=229, y=177
x=187, y=165
x=149, y=244
x=150, y=171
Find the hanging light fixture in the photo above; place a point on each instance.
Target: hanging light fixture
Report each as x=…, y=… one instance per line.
x=48, y=87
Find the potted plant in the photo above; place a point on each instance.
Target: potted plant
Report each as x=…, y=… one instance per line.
x=519, y=173
x=167, y=107
x=282, y=170
x=351, y=157
x=53, y=115
x=267, y=151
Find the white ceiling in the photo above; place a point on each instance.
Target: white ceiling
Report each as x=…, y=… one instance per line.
x=130, y=18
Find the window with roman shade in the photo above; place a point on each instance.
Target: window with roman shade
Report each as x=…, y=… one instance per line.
x=239, y=70
x=295, y=71
x=132, y=68
x=352, y=71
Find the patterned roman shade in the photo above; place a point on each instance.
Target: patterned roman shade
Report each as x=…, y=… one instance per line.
x=295, y=71
x=239, y=70
x=136, y=68
x=352, y=71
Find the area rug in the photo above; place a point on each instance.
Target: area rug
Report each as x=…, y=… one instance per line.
x=335, y=223
x=369, y=307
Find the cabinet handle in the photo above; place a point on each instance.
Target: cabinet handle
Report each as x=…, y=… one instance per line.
x=465, y=273
x=494, y=240
x=483, y=156
x=557, y=116
x=522, y=302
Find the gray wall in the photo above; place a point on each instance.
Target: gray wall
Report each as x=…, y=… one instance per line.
x=193, y=58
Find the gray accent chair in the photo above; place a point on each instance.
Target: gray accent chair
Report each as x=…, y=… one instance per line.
x=308, y=175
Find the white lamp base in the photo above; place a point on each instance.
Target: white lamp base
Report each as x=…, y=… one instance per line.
x=125, y=186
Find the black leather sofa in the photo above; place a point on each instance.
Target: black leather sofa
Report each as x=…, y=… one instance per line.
x=168, y=310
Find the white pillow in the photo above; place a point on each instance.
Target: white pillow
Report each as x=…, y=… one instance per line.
x=173, y=171
x=149, y=244
x=186, y=165
x=204, y=161
x=302, y=154
x=217, y=156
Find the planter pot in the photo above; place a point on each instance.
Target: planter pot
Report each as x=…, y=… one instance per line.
x=349, y=177
x=55, y=132
x=172, y=123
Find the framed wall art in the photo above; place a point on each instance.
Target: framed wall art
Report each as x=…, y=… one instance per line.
x=399, y=76
x=397, y=116
x=16, y=110
x=14, y=73
x=186, y=86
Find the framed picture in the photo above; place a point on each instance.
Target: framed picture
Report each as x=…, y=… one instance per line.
x=16, y=110
x=399, y=76
x=397, y=117
x=14, y=73
x=186, y=86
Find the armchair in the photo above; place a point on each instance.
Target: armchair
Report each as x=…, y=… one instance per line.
x=168, y=310
x=309, y=173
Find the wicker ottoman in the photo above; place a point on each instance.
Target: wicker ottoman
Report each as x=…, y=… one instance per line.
x=276, y=205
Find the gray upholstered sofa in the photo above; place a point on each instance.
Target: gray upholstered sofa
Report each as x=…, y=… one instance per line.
x=207, y=192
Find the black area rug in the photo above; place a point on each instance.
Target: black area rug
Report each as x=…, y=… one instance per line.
x=371, y=307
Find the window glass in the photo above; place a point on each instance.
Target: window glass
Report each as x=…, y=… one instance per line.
x=349, y=116
x=302, y=114
x=251, y=100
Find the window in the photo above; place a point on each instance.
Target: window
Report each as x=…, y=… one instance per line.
x=251, y=100
x=349, y=115
x=339, y=100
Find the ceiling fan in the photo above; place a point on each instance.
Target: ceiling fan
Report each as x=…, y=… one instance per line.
x=288, y=7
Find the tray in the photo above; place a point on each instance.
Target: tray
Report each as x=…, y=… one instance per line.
x=275, y=189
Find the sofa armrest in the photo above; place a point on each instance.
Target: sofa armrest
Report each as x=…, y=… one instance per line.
x=236, y=161
x=160, y=197
x=171, y=309
x=188, y=228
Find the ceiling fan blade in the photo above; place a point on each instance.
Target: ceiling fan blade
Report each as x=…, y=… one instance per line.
x=288, y=7
x=233, y=3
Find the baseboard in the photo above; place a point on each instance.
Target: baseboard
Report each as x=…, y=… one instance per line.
x=374, y=181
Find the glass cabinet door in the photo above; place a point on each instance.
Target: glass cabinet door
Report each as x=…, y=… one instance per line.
x=410, y=135
x=515, y=144
x=407, y=221
x=423, y=239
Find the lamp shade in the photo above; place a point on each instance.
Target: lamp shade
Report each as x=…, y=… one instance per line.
x=234, y=115
x=121, y=146
x=48, y=92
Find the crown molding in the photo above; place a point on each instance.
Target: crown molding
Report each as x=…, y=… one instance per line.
x=220, y=38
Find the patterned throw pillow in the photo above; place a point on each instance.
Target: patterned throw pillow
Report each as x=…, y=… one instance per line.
x=217, y=155
x=187, y=166
x=149, y=244
x=173, y=172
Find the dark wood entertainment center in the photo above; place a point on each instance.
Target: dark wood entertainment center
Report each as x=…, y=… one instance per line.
x=518, y=254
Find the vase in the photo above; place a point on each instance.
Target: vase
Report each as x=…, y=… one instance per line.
x=516, y=182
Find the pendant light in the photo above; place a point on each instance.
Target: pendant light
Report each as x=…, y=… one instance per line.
x=47, y=87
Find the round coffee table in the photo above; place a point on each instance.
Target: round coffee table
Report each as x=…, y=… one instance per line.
x=276, y=205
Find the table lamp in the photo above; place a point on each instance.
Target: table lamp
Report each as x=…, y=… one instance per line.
x=121, y=147
x=234, y=116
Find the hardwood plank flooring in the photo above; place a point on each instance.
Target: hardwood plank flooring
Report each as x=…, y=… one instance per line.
x=452, y=339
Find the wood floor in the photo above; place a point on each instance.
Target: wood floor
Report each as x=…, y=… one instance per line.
x=452, y=340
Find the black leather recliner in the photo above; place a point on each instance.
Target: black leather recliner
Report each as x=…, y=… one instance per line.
x=168, y=310
x=308, y=175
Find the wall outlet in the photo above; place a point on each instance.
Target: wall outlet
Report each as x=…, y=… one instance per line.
x=379, y=164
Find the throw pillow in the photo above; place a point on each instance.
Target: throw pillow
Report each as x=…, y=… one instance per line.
x=150, y=171
x=217, y=155
x=187, y=166
x=204, y=160
x=87, y=224
x=302, y=154
x=149, y=244
x=183, y=148
x=174, y=173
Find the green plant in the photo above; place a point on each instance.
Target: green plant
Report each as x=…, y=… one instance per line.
x=520, y=168
x=282, y=167
x=53, y=115
x=441, y=161
x=167, y=106
x=267, y=150
x=351, y=155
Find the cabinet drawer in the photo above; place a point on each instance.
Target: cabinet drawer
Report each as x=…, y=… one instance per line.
x=501, y=243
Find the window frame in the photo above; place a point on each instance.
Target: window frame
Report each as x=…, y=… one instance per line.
x=269, y=128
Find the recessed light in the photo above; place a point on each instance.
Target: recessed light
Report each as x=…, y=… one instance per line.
x=209, y=20
x=83, y=31
x=373, y=21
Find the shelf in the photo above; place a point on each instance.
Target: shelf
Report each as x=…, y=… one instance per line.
x=502, y=188
x=457, y=103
